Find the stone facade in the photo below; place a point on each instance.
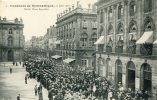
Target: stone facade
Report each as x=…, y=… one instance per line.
x=11, y=40
x=76, y=31
x=123, y=23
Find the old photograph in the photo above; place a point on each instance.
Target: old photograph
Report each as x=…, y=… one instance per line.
x=78, y=49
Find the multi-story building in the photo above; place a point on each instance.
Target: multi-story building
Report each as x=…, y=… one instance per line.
x=126, y=51
x=36, y=45
x=49, y=40
x=11, y=39
x=76, y=33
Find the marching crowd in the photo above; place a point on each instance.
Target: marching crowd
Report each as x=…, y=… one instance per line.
x=65, y=84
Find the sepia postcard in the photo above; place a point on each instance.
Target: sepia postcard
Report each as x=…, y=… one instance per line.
x=78, y=49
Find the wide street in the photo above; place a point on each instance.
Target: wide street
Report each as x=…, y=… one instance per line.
x=12, y=84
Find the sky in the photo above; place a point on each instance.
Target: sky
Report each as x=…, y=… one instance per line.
x=37, y=21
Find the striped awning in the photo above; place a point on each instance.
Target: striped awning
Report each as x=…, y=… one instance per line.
x=155, y=42
x=56, y=56
x=100, y=40
x=147, y=37
x=68, y=60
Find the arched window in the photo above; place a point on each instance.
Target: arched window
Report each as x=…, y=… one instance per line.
x=83, y=39
x=120, y=11
x=120, y=29
x=118, y=72
x=147, y=6
x=146, y=77
x=132, y=28
x=132, y=8
x=148, y=26
x=10, y=41
x=131, y=75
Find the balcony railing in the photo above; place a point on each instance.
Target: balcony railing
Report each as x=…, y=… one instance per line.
x=146, y=49
x=131, y=49
x=108, y=49
x=101, y=47
x=119, y=49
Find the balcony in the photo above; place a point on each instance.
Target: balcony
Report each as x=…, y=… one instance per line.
x=119, y=49
x=131, y=49
x=108, y=49
x=101, y=47
x=146, y=49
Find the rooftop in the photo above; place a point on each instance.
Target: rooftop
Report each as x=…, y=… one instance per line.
x=15, y=21
x=77, y=10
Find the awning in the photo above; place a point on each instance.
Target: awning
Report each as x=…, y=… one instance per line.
x=100, y=40
x=57, y=42
x=68, y=60
x=56, y=56
x=155, y=42
x=147, y=37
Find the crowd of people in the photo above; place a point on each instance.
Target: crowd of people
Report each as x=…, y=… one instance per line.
x=63, y=83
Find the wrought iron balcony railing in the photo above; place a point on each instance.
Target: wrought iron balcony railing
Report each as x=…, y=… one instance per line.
x=131, y=49
x=146, y=49
x=108, y=49
x=119, y=49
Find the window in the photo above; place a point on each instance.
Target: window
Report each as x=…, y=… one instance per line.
x=110, y=30
x=148, y=26
x=10, y=31
x=93, y=38
x=101, y=30
x=84, y=24
x=109, y=45
x=120, y=12
x=84, y=63
x=102, y=16
x=147, y=6
x=120, y=28
x=10, y=41
x=110, y=14
x=83, y=39
x=132, y=8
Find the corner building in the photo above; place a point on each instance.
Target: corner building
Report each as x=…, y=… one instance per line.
x=11, y=40
x=126, y=47
x=76, y=35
